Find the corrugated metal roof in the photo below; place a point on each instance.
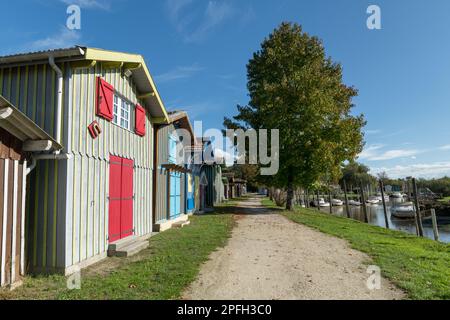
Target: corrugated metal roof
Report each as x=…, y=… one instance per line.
x=76, y=51
x=183, y=118
x=22, y=127
x=141, y=74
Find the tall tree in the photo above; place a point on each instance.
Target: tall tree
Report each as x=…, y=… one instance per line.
x=296, y=88
x=355, y=173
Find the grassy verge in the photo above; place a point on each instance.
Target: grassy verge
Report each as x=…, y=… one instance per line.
x=161, y=272
x=419, y=266
x=446, y=199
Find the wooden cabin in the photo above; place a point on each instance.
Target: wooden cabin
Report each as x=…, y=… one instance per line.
x=173, y=178
x=211, y=184
x=20, y=138
x=240, y=186
x=95, y=196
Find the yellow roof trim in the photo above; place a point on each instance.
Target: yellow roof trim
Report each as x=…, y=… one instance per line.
x=105, y=55
x=146, y=95
x=160, y=121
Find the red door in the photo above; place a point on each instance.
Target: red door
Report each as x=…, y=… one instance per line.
x=126, y=214
x=120, y=198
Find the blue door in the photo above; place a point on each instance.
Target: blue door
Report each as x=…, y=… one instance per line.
x=175, y=195
x=190, y=202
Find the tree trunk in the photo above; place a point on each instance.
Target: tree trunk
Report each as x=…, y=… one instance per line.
x=290, y=191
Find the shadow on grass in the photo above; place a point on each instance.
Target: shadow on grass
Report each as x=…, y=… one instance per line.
x=241, y=206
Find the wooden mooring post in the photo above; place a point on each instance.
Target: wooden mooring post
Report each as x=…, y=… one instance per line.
x=346, y=200
x=435, y=225
x=363, y=203
x=418, y=214
x=386, y=221
x=307, y=199
x=330, y=200
x=318, y=200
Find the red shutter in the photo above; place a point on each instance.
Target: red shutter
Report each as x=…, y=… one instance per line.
x=140, y=121
x=105, y=99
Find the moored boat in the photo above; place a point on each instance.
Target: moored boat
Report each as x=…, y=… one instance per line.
x=397, y=195
x=322, y=203
x=380, y=198
x=354, y=203
x=373, y=200
x=337, y=202
x=404, y=210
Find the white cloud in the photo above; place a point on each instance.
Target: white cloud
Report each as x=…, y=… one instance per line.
x=373, y=153
x=395, y=154
x=445, y=148
x=228, y=158
x=370, y=151
x=89, y=4
x=64, y=38
x=430, y=170
x=178, y=73
x=195, y=25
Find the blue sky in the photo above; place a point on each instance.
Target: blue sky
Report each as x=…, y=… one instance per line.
x=197, y=51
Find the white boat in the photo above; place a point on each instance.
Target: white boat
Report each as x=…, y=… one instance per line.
x=373, y=200
x=354, y=203
x=404, y=210
x=322, y=203
x=337, y=202
x=397, y=195
x=380, y=198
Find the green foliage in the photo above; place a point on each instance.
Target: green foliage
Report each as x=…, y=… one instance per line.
x=247, y=172
x=296, y=88
x=440, y=186
x=355, y=173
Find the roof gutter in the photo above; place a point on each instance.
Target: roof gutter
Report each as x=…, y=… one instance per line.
x=56, y=155
x=51, y=156
x=51, y=60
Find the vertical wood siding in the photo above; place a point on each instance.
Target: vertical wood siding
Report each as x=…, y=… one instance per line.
x=12, y=189
x=87, y=231
x=162, y=176
x=67, y=206
x=32, y=88
x=214, y=189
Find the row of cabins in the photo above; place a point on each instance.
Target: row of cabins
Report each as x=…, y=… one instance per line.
x=233, y=187
x=88, y=163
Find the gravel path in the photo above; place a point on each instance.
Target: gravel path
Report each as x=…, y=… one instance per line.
x=270, y=257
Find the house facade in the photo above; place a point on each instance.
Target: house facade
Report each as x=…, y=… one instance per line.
x=101, y=106
x=19, y=138
x=174, y=180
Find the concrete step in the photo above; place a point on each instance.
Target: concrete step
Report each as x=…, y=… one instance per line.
x=181, y=224
x=132, y=249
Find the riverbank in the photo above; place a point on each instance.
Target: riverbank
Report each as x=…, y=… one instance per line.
x=160, y=272
x=419, y=266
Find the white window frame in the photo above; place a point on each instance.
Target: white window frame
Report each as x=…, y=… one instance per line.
x=122, y=112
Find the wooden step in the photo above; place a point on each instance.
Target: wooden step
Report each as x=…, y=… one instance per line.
x=132, y=249
x=181, y=224
x=113, y=247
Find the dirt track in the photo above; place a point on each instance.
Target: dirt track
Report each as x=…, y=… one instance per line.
x=270, y=257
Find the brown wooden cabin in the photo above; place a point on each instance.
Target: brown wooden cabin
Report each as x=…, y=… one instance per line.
x=19, y=138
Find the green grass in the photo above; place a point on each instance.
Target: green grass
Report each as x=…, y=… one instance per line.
x=419, y=266
x=446, y=199
x=160, y=272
